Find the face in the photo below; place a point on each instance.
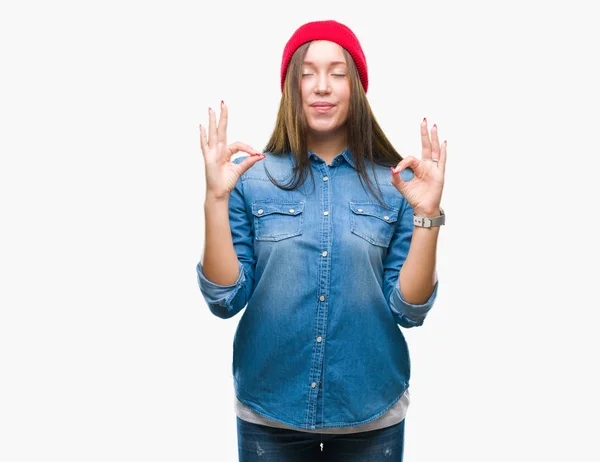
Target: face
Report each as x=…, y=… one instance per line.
x=325, y=88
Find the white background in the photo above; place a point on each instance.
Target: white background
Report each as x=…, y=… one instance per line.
x=107, y=348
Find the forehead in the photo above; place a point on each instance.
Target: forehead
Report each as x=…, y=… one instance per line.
x=324, y=52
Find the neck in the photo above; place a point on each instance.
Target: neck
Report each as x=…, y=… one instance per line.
x=327, y=147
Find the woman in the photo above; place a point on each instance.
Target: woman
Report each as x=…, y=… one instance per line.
x=328, y=268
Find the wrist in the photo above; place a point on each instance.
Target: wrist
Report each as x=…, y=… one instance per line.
x=210, y=200
x=429, y=218
x=210, y=197
x=427, y=212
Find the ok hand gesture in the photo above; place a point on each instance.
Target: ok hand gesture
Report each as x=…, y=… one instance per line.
x=222, y=174
x=424, y=191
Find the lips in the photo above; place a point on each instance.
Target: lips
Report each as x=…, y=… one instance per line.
x=322, y=107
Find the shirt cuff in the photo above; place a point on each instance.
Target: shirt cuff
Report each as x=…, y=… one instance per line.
x=216, y=294
x=415, y=313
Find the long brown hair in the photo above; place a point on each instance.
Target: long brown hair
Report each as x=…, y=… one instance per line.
x=366, y=139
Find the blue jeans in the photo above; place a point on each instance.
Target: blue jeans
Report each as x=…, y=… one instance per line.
x=268, y=444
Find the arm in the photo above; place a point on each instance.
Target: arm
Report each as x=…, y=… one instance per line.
x=417, y=275
x=226, y=271
x=410, y=283
x=219, y=260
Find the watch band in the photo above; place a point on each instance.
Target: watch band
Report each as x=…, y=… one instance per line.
x=429, y=222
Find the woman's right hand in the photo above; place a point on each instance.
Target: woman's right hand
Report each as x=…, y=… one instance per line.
x=221, y=174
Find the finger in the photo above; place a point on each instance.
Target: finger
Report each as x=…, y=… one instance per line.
x=405, y=169
x=222, y=129
x=425, y=142
x=212, y=128
x=435, y=143
x=408, y=161
x=404, y=176
x=203, y=142
x=442, y=162
x=238, y=146
x=249, y=162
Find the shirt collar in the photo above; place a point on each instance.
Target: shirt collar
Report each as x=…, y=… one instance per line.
x=346, y=154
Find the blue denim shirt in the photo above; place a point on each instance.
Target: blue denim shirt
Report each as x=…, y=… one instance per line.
x=318, y=345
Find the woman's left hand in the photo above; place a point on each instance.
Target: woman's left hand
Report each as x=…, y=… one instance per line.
x=424, y=190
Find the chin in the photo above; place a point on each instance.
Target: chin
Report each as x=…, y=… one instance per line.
x=321, y=133
x=323, y=128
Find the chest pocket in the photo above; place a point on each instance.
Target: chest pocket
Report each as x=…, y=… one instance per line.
x=274, y=221
x=372, y=222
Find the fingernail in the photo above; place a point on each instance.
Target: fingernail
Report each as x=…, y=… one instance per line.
x=262, y=156
x=393, y=171
x=222, y=103
x=424, y=119
x=435, y=125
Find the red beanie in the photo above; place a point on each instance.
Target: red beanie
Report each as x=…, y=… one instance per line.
x=334, y=32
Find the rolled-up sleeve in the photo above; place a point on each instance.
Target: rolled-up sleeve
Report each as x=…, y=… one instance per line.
x=223, y=300
x=226, y=301
x=406, y=314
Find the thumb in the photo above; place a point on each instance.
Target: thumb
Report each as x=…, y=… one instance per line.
x=249, y=161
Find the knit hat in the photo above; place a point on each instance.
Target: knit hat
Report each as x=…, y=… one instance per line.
x=334, y=32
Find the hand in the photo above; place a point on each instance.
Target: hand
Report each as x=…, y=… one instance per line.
x=424, y=191
x=221, y=174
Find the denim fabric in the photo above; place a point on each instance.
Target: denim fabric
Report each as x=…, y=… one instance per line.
x=391, y=417
x=268, y=444
x=318, y=345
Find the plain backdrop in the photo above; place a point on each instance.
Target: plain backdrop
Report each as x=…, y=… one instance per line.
x=107, y=348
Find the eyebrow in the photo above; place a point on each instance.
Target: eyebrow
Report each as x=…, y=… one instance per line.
x=331, y=63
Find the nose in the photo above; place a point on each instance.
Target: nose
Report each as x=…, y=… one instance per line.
x=322, y=85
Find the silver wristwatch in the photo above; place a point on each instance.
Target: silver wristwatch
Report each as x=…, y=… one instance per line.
x=429, y=222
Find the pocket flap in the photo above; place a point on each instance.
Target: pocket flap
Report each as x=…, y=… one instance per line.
x=389, y=215
x=260, y=209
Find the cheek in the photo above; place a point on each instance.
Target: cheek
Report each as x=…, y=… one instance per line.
x=346, y=99
x=304, y=90
x=344, y=94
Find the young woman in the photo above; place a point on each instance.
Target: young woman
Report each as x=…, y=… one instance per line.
x=327, y=269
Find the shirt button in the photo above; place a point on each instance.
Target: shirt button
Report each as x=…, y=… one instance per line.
x=319, y=339
x=326, y=213
x=325, y=178
x=314, y=384
x=360, y=210
x=324, y=253
x=386, y=218
x=322, y=297
x=292, y=211
x=260, y=211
